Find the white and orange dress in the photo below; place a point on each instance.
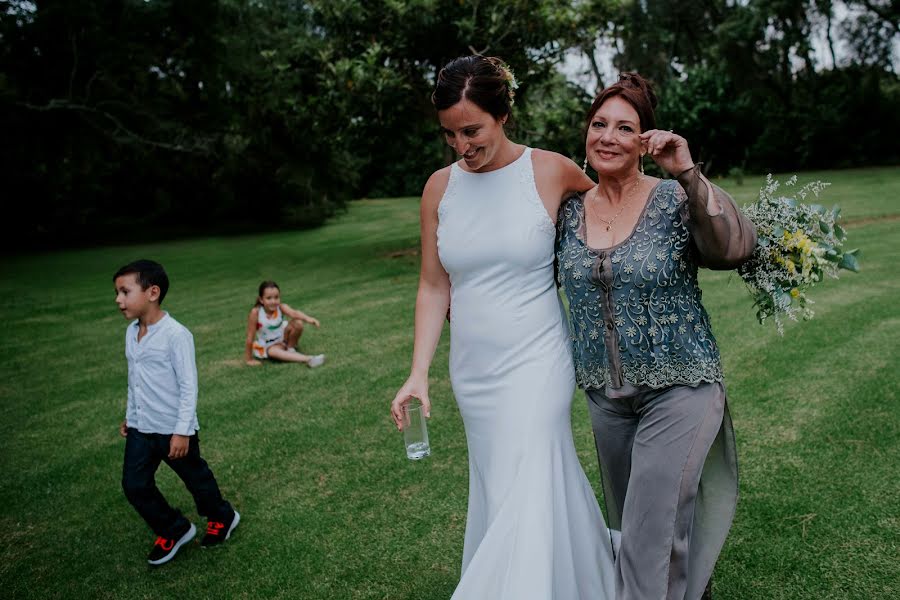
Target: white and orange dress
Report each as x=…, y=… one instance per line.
x=269, y=331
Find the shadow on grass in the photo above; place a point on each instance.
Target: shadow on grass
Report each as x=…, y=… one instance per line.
x=433, y=585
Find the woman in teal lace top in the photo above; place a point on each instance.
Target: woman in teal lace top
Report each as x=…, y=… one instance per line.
x=628, y=251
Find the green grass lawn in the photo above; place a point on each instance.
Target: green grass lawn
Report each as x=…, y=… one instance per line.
x=331, y=507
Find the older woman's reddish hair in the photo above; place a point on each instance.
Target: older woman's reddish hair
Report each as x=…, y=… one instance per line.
x=635, y=90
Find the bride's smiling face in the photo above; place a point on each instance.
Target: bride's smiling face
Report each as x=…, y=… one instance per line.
x=473, y=133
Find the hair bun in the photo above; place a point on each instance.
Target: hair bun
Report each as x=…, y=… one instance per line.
x=506, y=75
x=636, y=91
x=637, y=81
x=484, y=80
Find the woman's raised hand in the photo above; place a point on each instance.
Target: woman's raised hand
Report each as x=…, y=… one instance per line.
x=413, y=388
x=669, y=150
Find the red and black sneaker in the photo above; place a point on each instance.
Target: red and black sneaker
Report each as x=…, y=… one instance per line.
x=217, y=531
x=164, y=549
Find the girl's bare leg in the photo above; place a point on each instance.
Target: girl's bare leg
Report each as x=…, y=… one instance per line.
x=292, y=333
x=279, y=352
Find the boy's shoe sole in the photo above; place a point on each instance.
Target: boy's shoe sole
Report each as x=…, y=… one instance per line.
x=184, y=540
x=237, y=519
x=316, y=361
x=234, y=523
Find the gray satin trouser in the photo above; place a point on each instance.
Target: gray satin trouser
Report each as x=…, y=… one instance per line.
x=669, y=470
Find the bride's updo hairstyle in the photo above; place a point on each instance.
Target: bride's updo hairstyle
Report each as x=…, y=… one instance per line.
x=485, y=81
x=636, y=91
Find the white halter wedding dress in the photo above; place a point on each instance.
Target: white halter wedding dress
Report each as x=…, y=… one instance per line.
x=534, y=528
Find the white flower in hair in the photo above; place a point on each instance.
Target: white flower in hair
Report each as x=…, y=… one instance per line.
x=511, y=79
x=511, y=83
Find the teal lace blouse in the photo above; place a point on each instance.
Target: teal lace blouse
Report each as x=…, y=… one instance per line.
x=636, y=314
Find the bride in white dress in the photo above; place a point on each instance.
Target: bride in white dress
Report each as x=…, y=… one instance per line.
x=534, y=530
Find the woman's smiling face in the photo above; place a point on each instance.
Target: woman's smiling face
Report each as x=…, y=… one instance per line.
x=613, y=144
x=474, y=134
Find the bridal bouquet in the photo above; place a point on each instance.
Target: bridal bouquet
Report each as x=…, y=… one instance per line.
x=799, y=244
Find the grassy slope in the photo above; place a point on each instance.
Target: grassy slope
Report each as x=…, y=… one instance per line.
x=332, y=509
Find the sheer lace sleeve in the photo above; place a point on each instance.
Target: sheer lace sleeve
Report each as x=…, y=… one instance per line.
x=724, y=237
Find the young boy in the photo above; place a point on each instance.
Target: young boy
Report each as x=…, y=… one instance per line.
x=161, y=418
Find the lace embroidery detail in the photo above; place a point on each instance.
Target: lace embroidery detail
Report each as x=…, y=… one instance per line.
x=595, y=376
x=638, y=300
x=526, y=176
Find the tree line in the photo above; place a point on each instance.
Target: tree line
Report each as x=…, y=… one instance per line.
x=126, y=119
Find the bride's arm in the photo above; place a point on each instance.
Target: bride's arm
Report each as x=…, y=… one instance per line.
x=432, y=301
x=555, y=177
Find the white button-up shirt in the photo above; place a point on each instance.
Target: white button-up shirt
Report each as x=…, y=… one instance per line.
x=162, y=378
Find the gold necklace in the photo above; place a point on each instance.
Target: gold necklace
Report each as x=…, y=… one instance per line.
x=630, y=197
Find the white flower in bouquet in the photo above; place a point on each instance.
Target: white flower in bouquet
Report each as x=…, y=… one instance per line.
x=799, y=244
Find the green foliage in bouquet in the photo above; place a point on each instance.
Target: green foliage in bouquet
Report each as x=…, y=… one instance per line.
x=799, y=244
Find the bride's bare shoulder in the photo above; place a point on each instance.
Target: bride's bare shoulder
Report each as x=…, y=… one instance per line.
x=558, y=174
x=435, y=187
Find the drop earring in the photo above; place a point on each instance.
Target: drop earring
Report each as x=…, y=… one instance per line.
x=641, y=164
x=584, y=166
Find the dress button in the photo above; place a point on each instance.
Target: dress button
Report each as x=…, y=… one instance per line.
x=609, y=326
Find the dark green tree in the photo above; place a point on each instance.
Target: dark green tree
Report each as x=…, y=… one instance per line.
x=130, y=118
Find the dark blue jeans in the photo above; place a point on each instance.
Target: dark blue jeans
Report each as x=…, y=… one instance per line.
x=143, y=453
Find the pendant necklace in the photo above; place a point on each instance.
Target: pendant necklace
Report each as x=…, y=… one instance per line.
x=631, y=194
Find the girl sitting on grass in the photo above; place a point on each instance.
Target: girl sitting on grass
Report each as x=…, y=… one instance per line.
x=270, y=335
